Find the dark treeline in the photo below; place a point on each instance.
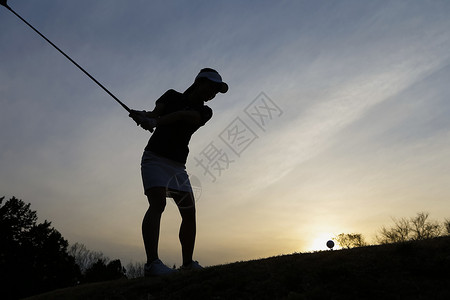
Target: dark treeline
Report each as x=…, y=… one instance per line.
x=35, y=258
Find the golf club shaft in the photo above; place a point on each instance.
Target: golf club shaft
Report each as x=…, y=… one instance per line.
x=75, y=63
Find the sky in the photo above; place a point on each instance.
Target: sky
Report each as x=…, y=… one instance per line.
x=336, y=120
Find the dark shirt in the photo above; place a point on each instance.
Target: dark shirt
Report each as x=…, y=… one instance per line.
x=171, y=141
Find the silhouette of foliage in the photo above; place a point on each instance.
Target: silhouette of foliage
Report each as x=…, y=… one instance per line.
x=100, y=271
x=135, y=270
x=350, y=240
x=447, y=226
x=33, y=257
x=94, y=265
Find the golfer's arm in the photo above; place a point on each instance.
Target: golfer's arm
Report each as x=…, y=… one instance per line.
x=189, y=117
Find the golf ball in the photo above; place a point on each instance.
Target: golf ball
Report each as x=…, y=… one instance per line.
x=330, y=244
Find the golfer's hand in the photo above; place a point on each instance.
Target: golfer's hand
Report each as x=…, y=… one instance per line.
x=148, y=124
x=137, y=115
x=141, y=118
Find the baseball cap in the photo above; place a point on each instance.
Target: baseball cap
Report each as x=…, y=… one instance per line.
x=214, y=76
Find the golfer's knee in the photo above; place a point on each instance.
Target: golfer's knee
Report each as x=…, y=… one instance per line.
x=157, y=200
x=187, y=214
x=185, y=201
x=157, y=206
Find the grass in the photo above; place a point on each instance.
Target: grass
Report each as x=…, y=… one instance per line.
x=412, y=270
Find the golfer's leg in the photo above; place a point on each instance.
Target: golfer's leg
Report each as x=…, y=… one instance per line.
x=186, y=206
x=152, y=220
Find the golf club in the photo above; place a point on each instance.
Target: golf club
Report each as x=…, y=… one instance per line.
x=3, y=2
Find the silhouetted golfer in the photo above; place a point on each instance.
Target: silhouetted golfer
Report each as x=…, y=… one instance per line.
x=176, y=117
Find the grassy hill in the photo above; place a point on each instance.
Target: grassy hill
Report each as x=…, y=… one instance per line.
x=413, y=270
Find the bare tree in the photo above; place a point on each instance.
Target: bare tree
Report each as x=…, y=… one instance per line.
x=84, y=257
x=423, y=229
x=398, y=233
x=415, y=228
x=350, y=240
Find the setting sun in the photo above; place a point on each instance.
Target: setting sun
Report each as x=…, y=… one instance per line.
x=319, y=242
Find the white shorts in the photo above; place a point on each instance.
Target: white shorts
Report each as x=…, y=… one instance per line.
x=159, y=171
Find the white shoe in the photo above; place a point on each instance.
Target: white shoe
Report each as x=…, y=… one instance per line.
x=194, y=265
x=157, y=268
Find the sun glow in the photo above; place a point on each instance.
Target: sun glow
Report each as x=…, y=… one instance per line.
x=319, y=242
